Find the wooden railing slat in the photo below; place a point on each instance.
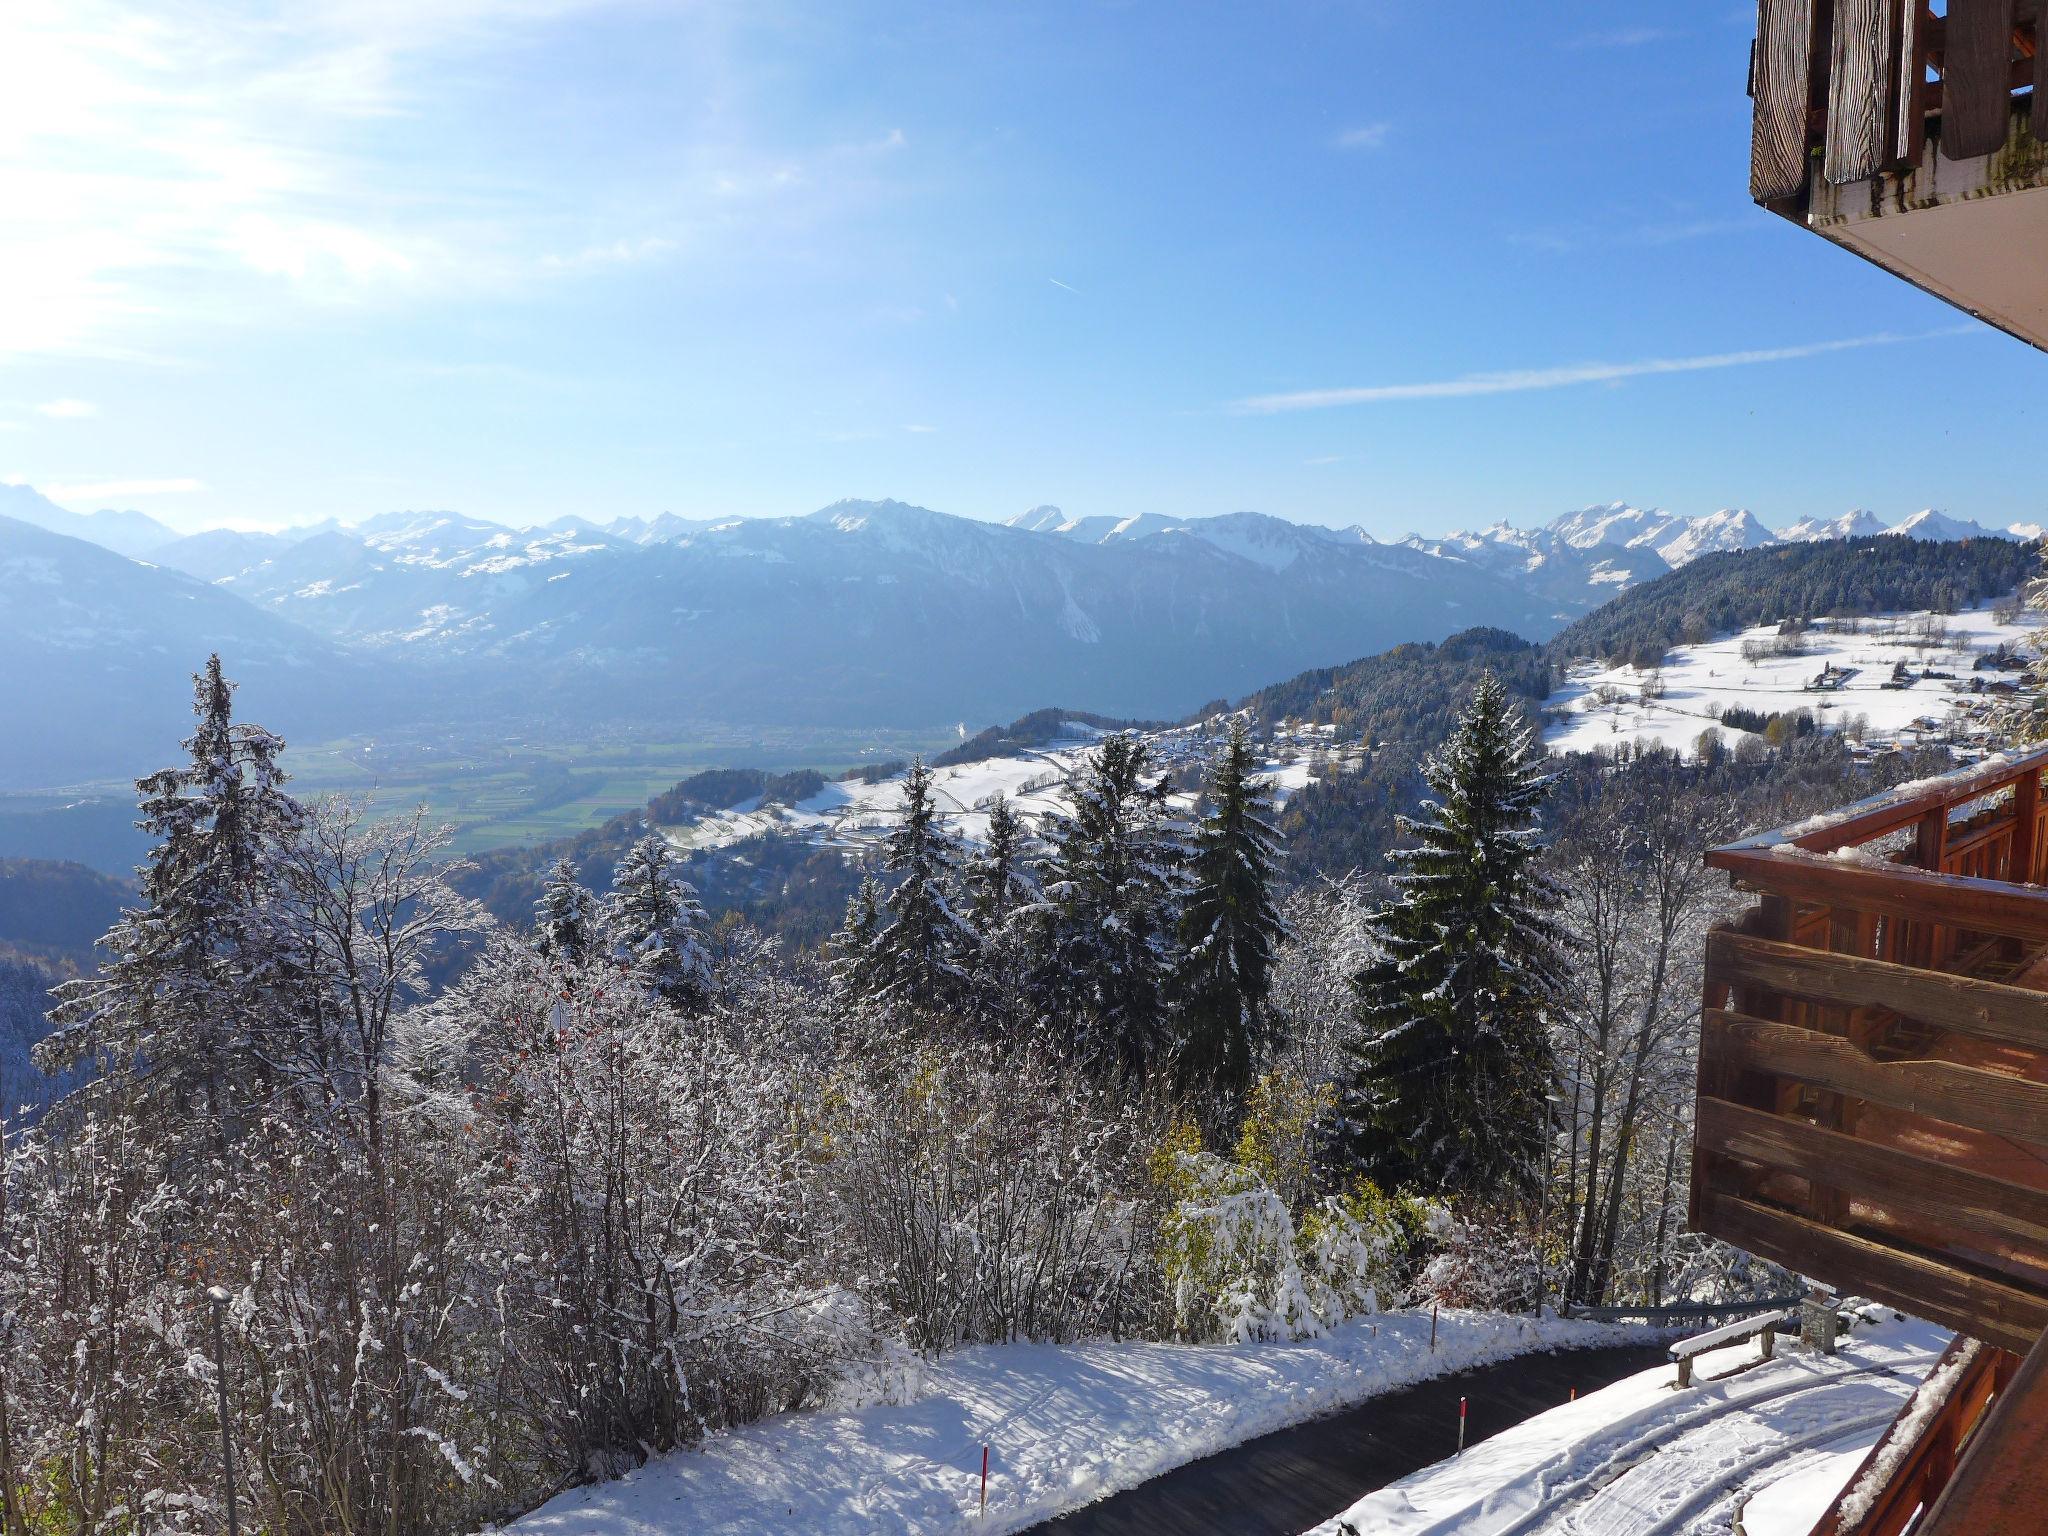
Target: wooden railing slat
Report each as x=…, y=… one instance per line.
x=1976, y=82
x=1999, y=1314
x=1942, y=1090
x=1859, y=89
x=1883, y=1176
x=1909, y=133
x=1782, y=84
x=2000, y=1487
x=1989, y=1010
x=1894, y=890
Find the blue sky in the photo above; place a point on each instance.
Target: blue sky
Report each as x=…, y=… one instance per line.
x=1344, y=261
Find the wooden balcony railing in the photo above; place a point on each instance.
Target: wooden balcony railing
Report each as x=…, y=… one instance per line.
x=1868, y=84
x=1873, y=1076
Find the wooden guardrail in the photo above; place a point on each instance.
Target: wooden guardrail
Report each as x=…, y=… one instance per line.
x=1850, y=79
x=1873, y=1084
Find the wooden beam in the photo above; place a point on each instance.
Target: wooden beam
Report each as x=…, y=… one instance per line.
x=2039, y=120
x=1894, y=890
x=1782, y=85
x=1860, y=80
x=1944, y=1194
x=1941, y=1090
x=1909, y=135
x=1989, y=1010
x=1976, y=100
x=1985, y=1309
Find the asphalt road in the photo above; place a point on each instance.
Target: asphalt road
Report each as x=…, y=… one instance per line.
x=1286, y=1482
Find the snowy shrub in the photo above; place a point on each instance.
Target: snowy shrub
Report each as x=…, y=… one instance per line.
x=1237, y=1264
x=1482, y=1260
x=984, y=1201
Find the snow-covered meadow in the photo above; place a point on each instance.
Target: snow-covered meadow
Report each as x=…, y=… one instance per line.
x=1066, y=1425
x=1603, y=708
x=1761, y=1448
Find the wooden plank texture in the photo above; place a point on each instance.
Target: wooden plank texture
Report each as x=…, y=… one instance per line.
x=1782, y=86
x=1988, y=1010
x=1860, y=80
x=1986, y=1101
x=1998, y=1314
x=1909, y=130
x=2039, y=119
x=1894, y=890
x=1976, y=77
x=1943, y=1194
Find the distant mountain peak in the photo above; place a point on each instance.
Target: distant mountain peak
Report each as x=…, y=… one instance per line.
x=134, y=534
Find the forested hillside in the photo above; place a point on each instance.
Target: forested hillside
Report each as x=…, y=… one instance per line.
x=1719, y=593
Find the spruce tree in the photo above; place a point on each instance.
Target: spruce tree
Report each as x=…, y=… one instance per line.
x=565, y=919
x=926, y=953
x=998, y=877
x=1114, y=882
x=1453, y=1065
x=1229, y=931
x=191, y=977
x=656, y=924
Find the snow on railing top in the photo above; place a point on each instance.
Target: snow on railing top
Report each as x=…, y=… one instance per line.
x=1895, y=808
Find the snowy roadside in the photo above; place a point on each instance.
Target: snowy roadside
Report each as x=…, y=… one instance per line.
x=1774, y=1443
x=1066, y=1425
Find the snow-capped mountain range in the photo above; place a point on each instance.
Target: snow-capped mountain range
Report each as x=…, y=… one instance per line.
x=862, y=613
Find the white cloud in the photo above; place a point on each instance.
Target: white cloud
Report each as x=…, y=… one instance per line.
x=169, y=171
x=108, y=490
x=1522, y=380
x=67, y=410
x=1365, y=136
x=1327, y=458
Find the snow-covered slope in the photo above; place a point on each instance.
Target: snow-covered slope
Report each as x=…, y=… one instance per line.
x=849, y=813
x=1847, y=672
x=1066, y=1425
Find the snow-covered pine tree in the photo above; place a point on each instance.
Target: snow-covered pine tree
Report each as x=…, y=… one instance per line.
x=187, y=984
x=1114, y=883
x=1229, y=932
x=1451, y=1087
x=656, y=924
x=999, y=877
x=926, y=954
x=566, y=918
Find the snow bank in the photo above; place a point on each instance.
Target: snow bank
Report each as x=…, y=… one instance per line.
x=1066, y=1425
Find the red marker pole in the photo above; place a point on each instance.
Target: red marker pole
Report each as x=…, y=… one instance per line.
x=1575, y=1394
x=984, y=1482
x=1461, y=1426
